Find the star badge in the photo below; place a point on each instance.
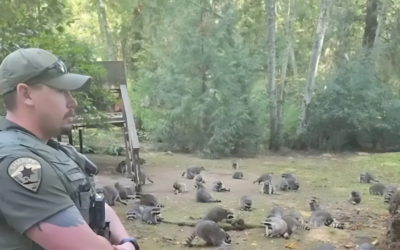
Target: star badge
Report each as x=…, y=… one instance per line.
x=27, y=172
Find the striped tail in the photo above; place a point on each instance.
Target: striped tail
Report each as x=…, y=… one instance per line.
x=304, y=227
x=148, y=178
x=214, y=200
x=337, y=224
x=183, y=174
x=138, y=195
x=190, y=239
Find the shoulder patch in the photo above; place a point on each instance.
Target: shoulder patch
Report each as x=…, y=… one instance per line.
x=27, y=172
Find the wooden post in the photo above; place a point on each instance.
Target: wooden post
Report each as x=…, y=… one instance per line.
x=80, y=141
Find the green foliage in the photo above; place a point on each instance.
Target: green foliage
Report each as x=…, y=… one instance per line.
x=202, y=84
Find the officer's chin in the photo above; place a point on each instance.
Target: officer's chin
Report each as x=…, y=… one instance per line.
x=66, y=129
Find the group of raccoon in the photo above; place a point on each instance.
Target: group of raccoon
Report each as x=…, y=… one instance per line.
x=391, y=196
x=277, y=223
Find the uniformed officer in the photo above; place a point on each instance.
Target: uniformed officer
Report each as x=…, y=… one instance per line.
x=45, y=192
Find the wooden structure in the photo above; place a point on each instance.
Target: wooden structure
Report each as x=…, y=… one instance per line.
x=115, y=80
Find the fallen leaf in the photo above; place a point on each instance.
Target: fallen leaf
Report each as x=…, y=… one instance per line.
x=374, y=242
x=254, y=244
x=290, y=245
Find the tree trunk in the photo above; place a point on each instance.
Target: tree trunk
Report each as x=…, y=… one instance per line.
x=102, y=17
x=285, y=61
x=381, y=20
x=371, y=23
x=271, y=88
x=293, y=62
x=313, y=66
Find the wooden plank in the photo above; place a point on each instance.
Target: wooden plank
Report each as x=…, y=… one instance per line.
x=132, y=133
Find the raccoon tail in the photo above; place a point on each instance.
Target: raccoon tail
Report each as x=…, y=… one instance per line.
x=183, y=174
x=190, y=239
x=138, y=195
x=148, y=178
x=214, y=200
x=121, y=201
x=337, y=224
x=304, y=227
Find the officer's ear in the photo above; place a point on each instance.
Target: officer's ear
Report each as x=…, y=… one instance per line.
x=25, y=93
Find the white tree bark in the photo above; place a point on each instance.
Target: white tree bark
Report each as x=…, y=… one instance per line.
x=383, y=6
x=285, y=62
x=105, y=29
x=314, y=60
x=271, y=87
x=293, y=62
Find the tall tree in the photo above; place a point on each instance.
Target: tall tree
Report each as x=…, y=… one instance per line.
x=318, y=41
x=285, y=61
x=371, y=23
x=105, y=29
x=271, y=87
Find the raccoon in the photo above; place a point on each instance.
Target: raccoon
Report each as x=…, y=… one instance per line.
x=297, y=215
x=314, y=204
x=293, y=184
x=179, y=187
x=123, y=193
x=276, y=212
x=245, y=203
x=283, y=185
x=111, y=195
x=135, y=212
x=289, y=176
x=268, y=188
x=195, y=170
x=355, y=197
x=366, y=246
x=394, y=202
x=388, y=196
x=188, y=175
x=148, y=200
x=237, y=175
x=218, y=186
x=275, y=227
x=293, y=224
x=199, y=178
x=203, y=196
x=235, y=165
x=326, y=246
x=210, y=232
x=121, y=167
x=218, y=214
x=143, y=177
x=322, y=217
x=151, y=215
x=130, y=191
x=367, y=177
x=377, y=189
x=262, y=178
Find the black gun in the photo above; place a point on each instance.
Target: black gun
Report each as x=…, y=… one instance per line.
x=98, y=216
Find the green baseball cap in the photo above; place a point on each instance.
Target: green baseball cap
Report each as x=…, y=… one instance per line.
x=32, y=66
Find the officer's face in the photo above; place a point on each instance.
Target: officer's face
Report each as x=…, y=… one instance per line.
x=55, y=109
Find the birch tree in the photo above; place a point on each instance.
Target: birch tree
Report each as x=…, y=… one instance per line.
x=285, y=61
x=318, y=41
x=271, y=88
x=105, y=29
x=382, y=8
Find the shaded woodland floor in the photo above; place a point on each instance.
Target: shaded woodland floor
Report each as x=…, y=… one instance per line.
x=329, y=177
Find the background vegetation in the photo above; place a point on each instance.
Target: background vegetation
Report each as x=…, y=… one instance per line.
x=232, y=77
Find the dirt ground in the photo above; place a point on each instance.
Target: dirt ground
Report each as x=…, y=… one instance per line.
x=329, y=177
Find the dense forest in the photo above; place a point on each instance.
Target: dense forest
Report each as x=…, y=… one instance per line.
x=232, y=77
